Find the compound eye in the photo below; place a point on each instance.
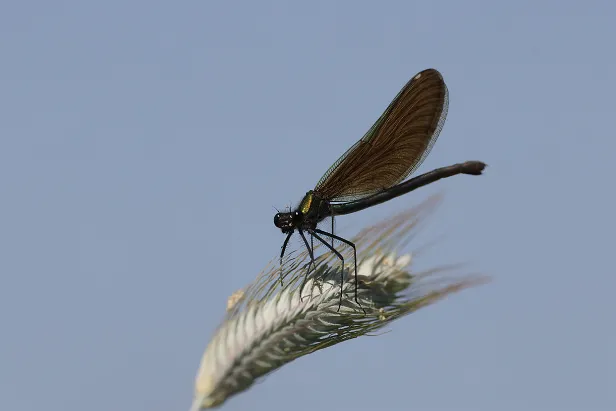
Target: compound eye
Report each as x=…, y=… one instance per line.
x=277, y=219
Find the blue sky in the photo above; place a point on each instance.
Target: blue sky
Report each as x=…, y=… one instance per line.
x=144, y=146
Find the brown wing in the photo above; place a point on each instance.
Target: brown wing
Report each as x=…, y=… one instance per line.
x=395, y=145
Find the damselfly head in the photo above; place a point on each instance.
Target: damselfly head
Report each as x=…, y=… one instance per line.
x=287, y=222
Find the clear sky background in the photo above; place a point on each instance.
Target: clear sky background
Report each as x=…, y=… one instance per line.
x=145, y=144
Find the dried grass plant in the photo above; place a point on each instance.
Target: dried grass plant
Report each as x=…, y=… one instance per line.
x=268, y=325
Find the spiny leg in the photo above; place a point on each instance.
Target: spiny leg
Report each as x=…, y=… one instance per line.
x=312, y=243
x=284, y=247
x=332, y=230
x=312, y=261
x=312, y=247
x=339, y=256
x=354, y=258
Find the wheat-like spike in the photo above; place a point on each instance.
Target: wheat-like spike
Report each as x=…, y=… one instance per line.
x=268, y=326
